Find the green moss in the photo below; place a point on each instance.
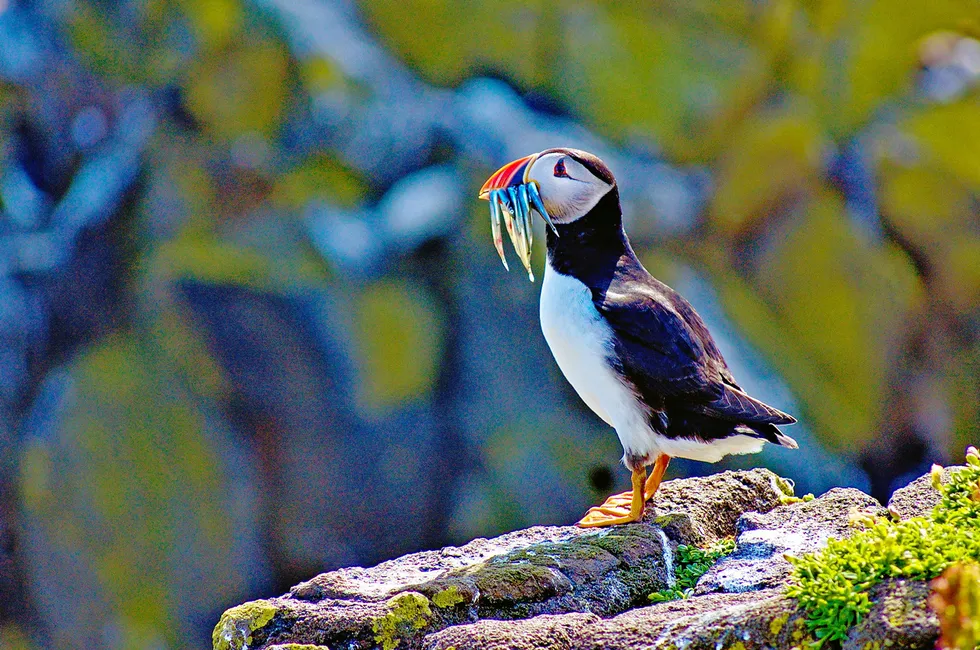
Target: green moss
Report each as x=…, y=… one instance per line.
x=449, y=597
x=833, y=585
x=237, y=625
x=692, y=563
x=622, y=539
x=408, y=613
x=502, y=583
x=800, y=632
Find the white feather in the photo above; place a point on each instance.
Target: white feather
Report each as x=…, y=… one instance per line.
x=566, y=198
x=582, y=344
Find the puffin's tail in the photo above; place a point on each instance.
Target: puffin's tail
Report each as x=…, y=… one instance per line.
x=772, y=433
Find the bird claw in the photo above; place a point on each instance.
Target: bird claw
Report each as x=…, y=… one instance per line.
x=514, y=205
x=600, y=516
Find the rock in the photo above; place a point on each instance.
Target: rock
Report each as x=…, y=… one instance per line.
x=918, y=498
x=714, y=503
x=572, y=589
x=521, y=575
x=720, y=620
x=604, y=572
x=526, y=574
x=562, y=632
x=900, y=615
x=763, y=619
x=380, y=582
x=794, y=529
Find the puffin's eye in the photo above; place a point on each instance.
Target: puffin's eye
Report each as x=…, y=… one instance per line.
x=560, y=169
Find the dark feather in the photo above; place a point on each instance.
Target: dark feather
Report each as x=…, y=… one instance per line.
x=735, y=405
x=666, y=352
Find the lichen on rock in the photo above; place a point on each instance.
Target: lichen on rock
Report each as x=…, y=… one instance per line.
x=238, y=625
x=448, y=597
x=603, y=572
x=408, y=613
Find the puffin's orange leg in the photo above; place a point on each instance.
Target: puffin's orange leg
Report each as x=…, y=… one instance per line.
x=613, y=510
x=656, y=475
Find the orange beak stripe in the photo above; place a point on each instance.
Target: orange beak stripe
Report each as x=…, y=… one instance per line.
x=506, y=175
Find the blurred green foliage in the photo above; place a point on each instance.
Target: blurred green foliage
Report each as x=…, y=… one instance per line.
x=398, y=338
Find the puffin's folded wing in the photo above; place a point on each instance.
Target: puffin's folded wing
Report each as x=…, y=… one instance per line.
x=736, y=406
x=660, y=354
x=669, y=356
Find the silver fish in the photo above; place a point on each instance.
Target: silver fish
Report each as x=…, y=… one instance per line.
x=498, y=239
x=520, y=230
x=502, y=199
x=532, y=190
x=524, y=210
x=514, y=205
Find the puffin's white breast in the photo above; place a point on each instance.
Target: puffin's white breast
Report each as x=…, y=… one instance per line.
x=582, y=344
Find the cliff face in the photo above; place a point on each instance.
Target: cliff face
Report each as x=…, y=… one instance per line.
x=565, y=587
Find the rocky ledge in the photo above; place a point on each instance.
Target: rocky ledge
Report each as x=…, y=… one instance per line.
x=565, y=587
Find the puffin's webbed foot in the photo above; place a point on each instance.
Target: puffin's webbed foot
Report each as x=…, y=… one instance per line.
x=619, y=508
x=628, y=507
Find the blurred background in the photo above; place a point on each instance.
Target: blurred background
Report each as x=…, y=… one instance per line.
x=253, y=327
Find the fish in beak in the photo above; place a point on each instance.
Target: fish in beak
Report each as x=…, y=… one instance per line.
x=512, y=196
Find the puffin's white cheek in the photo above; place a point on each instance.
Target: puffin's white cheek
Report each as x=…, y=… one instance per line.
x=554, y=198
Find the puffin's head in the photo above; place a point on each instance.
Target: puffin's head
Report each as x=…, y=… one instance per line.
x=570, y=182
x=563, y=185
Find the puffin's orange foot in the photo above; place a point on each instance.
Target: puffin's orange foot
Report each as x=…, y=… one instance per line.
x=608, y=516
x=627, y=507
x=621, y=500
x=619, y=508
x=614, y=510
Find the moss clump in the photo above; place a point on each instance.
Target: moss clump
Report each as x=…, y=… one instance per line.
x=408, y=613
x=237, y=625
x=833, y=585
x=692, y=563
x=507, y=584
x=622, y=541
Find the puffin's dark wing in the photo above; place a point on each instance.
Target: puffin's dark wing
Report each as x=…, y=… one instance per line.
x=658, y=350
x=668, y=354
x=737, y=406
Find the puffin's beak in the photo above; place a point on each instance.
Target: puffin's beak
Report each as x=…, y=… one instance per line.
x=510, y=175
x=512, y=196
x=514, y=175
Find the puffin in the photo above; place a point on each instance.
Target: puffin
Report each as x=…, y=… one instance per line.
x=634, y=350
